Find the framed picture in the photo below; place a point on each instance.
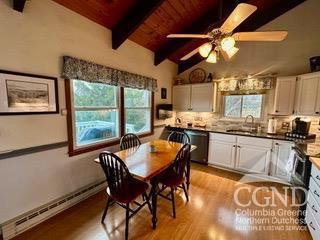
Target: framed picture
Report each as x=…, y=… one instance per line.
x=22, y=93
x=163, y=93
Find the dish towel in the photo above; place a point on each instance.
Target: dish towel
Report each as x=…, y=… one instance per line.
x=290, y=163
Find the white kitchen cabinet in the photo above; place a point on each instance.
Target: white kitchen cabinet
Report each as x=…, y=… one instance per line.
x=222, y=153
x=202, y=97
x=253, y=159
x=308, y=94
x=280, y=155
x=253, y=155
x=193, y=97
x=284, y=95
x=182, y=97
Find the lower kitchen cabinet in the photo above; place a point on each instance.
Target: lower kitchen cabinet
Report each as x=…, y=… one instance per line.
x=280, y=156
x=253, y=159
x=222, y=153
x=250, y=154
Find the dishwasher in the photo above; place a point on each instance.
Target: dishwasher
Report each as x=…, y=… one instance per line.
x=199, y=139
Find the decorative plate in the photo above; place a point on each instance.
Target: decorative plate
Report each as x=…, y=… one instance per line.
x=198, y=75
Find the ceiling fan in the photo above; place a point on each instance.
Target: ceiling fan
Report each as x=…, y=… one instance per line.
x=222, y=40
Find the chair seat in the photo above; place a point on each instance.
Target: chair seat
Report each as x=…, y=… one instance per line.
x=129, y=191
x=170, y=178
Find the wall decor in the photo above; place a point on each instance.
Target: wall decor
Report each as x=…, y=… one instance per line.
x=163, y=93
x=23, y=93
x=198, y=75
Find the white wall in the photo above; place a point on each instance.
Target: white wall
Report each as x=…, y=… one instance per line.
x=289, y=57
x=34, y=42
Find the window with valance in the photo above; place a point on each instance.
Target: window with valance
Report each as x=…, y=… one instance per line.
x=105, y=103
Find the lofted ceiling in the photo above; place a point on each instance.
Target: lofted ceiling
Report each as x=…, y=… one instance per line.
x=147, y=23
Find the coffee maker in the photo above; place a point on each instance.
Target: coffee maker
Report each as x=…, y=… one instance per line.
x=300, y=129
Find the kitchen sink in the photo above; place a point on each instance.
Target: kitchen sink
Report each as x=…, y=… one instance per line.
x=242, y=131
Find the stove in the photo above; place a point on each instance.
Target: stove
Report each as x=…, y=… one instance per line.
x=293, y=135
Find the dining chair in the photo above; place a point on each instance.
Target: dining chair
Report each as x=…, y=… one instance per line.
x=122, y=188
x=173, y=177
x=129, y=140
x=182, y=137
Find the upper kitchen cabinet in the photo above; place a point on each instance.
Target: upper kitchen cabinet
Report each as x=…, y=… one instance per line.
x=195, y=97
x=182, y=97
x=284, y=95
x=308, y=94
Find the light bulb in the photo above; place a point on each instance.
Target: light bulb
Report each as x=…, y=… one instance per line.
x=227, y=43
x=212, y=58
x=232, y=51
x=205, y=49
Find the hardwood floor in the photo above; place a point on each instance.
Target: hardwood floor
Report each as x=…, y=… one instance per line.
x=210, y=214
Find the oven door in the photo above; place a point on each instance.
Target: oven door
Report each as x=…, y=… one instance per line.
x=302, y=169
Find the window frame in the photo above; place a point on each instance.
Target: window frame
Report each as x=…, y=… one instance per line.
x=137, y=108
x=75, y=150
x=224, y=117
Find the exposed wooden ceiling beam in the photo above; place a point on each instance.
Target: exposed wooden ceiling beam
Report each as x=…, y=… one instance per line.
x=206, y=23
x=257, y=20
x=136, y=16
x=18, y=5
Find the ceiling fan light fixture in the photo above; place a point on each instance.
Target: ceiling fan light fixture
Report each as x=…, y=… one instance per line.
x=205, y=49
x=227, y=43
x=232, y=52
x=212, y=58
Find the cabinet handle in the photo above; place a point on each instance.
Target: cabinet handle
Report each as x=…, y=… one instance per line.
x=277, y=111
x=317, y=112
x=239, y=147
x=315, y=192
x=317, y=177
x=311, y=225
x=234, y=146
x=277, y=144
x=314, y=209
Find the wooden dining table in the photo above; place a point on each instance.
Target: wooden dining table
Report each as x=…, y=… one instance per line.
x=148, y=160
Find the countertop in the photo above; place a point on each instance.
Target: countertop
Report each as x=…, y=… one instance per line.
x=309, y=147
x=239, y=133
x=315, y=161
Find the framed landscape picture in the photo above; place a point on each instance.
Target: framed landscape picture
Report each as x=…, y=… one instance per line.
x=22, y=93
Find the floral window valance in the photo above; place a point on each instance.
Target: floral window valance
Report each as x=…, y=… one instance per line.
x=74, y=68
x=246, y=84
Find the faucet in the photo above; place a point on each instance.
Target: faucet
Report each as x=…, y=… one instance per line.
x=252, y=121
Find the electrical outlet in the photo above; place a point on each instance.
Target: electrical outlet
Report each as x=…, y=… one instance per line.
x=285, y=125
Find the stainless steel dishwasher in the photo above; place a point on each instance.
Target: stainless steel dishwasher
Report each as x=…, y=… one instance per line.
x=199, y=139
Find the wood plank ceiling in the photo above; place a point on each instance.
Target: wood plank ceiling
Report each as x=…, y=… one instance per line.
x=152, y=23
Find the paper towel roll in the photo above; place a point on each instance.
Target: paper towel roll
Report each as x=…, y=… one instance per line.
x=272, y=126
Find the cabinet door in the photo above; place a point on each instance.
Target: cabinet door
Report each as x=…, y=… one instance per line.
x=280, y=156
x=181, y=97
x=202, y=97
x=284, y=96
x=253, y=159
x=307, y=95
x=222, y=153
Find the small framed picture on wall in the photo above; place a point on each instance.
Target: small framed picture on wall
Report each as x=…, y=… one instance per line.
x=163, y=93
x=22, y=93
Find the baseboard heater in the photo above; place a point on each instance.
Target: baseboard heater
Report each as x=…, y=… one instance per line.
x=28, y=220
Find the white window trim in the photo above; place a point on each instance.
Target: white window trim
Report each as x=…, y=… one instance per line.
x=73, y=110
x=237, y=119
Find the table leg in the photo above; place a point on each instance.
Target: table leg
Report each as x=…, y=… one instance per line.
x=154, y=195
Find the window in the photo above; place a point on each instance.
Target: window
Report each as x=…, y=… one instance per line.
x=137, y=104
x=96, y=119
x=96, y=112
x=239, y=106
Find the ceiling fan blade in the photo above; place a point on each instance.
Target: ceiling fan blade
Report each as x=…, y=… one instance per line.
x=187, y=36
x=190, y=54
x=227, y=55
x=260, y=36
x=239, y=14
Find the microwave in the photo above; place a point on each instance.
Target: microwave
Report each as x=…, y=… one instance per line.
x=164, y=111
